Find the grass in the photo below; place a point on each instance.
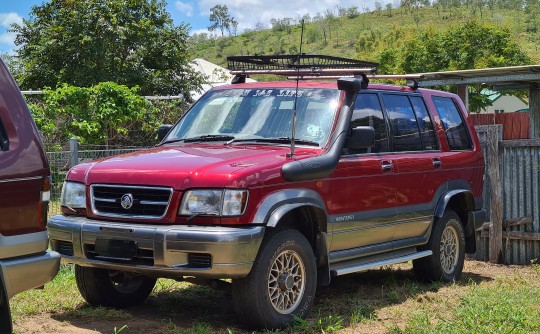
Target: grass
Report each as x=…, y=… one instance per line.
x=488, y=299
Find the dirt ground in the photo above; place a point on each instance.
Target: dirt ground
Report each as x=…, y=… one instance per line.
x=209, y=312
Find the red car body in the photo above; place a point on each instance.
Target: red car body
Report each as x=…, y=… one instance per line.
x=356, y=210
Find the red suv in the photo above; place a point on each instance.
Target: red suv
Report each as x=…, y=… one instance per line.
x=25, y=185
x=280, y=186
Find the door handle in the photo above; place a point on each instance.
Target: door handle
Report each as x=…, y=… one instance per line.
x=387, y=166
x=437, y=162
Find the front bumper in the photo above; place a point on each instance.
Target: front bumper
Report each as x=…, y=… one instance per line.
x=161, y=251
x=25, y=273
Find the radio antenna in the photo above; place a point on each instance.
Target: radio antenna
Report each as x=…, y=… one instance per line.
x=291, y=154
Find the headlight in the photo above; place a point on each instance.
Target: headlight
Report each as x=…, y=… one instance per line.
x=73, y=195
x=215, y=202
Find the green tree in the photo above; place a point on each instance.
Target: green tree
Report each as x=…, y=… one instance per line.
x=82, y=43
x=105, y=114
x=468, y=46
x=220, y=18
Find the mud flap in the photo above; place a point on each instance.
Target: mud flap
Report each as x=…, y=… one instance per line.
x=5, y=314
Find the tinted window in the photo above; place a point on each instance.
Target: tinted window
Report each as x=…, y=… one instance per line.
x=427, y=133
x=405, y=134
x=368, y=112
x=456, y=131
x=4, y=140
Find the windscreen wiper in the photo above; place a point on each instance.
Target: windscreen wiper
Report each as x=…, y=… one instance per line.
x=209, y=138
x=284, y=140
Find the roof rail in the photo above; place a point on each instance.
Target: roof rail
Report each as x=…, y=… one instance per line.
x=300, y=65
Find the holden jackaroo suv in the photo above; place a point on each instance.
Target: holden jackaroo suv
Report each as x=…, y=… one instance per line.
x=25, y=184
x=280, y=186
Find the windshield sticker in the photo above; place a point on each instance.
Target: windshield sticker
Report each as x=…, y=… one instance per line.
x=269, y=93
x=313, y=131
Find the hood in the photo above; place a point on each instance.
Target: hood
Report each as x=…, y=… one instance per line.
x=190, y=166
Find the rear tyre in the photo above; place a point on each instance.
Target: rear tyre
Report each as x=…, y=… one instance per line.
x=281, y=285
x=110, y=288
x=447, y=242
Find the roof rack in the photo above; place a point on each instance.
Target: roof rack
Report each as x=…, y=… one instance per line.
x=412, y=79
x=300, y=65
x=370, y=76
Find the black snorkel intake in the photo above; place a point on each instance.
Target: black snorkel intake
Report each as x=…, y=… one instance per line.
x=323, y=165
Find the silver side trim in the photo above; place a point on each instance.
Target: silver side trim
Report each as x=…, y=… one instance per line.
x=109, y=200
x=23, y=244
x=375, y=264
x=153, y=203
x=22, y=179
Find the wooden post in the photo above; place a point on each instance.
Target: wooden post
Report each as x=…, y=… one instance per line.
x=534, y=111
x=463, y=93
x=492, y=162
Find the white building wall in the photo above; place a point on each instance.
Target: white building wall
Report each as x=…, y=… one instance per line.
x=506, y=104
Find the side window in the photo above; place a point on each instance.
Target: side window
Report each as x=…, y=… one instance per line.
x=405, y=133
x=368, y=112
x=454, y=126
x=427, y=133
x=4, y=139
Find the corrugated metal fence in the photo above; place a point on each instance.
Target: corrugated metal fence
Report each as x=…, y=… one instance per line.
x=519, y=168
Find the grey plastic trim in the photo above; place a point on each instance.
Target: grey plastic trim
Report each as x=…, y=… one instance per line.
x=277, y=204
x=443, y=202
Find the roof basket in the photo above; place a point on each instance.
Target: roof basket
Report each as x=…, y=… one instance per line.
x=302, y=65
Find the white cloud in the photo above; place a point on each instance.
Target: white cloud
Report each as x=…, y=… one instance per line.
x=185, y=8
x=250, y=12
x=200, y=31
x=8, y=38
x=6, y=19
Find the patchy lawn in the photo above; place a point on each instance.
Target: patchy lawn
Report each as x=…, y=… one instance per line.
x=487, y=299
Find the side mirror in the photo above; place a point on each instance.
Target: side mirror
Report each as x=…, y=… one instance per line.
x=162, y=131
x=361, y=137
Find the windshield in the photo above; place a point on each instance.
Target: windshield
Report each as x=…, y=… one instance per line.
x=243, y=114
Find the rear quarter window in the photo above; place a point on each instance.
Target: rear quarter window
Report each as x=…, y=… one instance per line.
x=453, y=123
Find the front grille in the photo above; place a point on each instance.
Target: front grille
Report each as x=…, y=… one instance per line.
x=143, y=257
x=146, y=202
x=196, y=260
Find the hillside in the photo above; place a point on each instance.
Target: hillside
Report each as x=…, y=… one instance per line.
x=365, y=35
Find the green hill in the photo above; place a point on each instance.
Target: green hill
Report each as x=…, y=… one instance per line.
x=365, y=35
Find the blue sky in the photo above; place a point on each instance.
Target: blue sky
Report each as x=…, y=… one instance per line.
x=248, y=13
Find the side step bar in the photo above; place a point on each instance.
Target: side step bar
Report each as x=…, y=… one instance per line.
x=364, y=264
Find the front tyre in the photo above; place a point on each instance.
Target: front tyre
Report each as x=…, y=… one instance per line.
x=447, y=242
x=281, y=285
x=110, y=288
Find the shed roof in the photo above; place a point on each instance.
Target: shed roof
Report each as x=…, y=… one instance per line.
x=501, y=78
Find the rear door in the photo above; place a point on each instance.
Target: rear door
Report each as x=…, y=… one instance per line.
x=22, y=163
x=364, y=185
x=417, y=164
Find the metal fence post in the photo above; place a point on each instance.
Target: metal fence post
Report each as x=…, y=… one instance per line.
x=74, y=152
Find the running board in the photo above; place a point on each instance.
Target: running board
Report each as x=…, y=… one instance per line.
x=361, y=264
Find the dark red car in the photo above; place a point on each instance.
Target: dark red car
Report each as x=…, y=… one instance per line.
x=25, y=185
x=375, y=175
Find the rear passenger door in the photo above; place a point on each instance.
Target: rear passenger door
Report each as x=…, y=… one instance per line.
x=364, y=186
x=417, y=164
